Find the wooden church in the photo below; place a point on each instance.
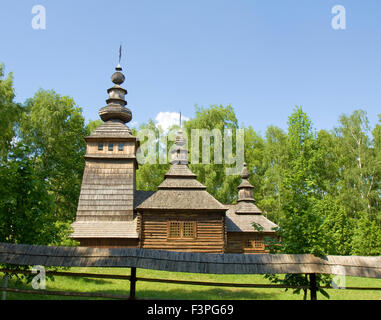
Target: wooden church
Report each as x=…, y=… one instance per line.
x=181, y=215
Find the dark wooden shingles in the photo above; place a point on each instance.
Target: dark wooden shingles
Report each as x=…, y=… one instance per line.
x=188, y=261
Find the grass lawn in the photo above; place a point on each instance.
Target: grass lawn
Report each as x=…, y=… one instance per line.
x=177, y=291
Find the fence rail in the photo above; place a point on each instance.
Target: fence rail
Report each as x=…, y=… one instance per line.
x=142, y=279
x=182, y=262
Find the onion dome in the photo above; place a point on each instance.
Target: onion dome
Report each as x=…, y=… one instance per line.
x=115, y=109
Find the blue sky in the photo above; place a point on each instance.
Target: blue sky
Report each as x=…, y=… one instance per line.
x=264, y=57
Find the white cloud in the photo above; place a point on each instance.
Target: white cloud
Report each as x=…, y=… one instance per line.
x=167, y=119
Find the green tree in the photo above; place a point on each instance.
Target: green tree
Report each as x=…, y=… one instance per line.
x=359, y=177
x=328, y=151
x=9, y=112
x=274, y=164
x=300, y=225
x=336, y=228
x=26, y=206
x=367, y=237
x=254, y=158
x=150, y=175
x=375, y=193
x=358, y=168
x=53, y=128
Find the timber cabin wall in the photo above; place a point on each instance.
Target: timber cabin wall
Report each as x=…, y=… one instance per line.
x=108, y=243
x=209, y=231
x=119, y=146
x=237, y=242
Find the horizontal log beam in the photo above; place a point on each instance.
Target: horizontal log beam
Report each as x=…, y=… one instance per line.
x=189, y=261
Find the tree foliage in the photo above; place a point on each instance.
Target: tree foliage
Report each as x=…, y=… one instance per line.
x=53, y=128
x=26, y=206
x=9, y=112
x=41, y=165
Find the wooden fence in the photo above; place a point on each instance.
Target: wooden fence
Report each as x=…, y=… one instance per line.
x=133, y=258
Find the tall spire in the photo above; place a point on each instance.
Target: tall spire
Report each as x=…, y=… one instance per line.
x=115, y=109
x=120, y=53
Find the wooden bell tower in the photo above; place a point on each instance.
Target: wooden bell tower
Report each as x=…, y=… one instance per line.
x=105, y=214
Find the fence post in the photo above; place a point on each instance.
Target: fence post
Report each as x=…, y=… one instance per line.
x=5, y=286
x=313, y=287
x=132, y=283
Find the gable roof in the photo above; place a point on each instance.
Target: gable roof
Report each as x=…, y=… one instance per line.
x=188, y=199
x=181, y=191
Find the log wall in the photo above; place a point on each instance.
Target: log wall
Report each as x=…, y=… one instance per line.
x=108, y=242
x=236, y=242
x=128, y=147
x=210, y=232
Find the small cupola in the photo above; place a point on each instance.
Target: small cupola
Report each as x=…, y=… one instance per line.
x=246, y=201
x=245, y=189
x=116, y=109
x=179, y=151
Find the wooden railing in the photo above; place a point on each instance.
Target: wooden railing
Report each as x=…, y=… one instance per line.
x=132, y=258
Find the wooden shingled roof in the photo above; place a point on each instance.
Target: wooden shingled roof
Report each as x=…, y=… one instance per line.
x=105, y=229
x=141, y=195
x=110, y=229
x=111, y=129
x=106, y=194
x=174, y=199
x=189, y=261
x=244, y=222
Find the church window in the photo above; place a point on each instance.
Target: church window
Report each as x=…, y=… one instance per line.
x=188, y=229
x=174, y=229
x=256, y=244
x=110, y=146
x=182, y=229
x=100, y=146
x=121, y=146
